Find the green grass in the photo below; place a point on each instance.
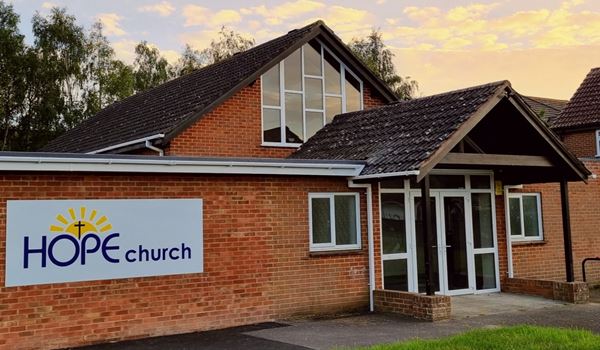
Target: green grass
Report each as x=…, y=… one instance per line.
x=517, y=338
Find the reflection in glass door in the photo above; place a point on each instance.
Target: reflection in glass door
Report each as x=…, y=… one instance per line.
x=420, y=243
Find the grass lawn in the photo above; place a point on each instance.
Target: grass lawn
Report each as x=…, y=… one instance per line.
x=518, y=338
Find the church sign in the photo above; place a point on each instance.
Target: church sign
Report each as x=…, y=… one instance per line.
x=53, y=241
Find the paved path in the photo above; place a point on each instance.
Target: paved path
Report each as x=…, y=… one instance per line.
x=373, y=328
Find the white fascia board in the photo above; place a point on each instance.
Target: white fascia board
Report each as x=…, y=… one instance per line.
x=132, y=165
x=384, y=175
x=128, y=143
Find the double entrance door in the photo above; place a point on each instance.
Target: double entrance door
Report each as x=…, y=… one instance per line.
x=457, y=263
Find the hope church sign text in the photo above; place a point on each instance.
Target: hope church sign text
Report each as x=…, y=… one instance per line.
x=53, y=241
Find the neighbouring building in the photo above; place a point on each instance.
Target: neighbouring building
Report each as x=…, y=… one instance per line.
x=284, y=181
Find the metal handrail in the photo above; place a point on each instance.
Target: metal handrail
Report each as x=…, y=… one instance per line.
x=583, y=265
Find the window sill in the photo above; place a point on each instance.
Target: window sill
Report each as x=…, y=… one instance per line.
x=528, y=242
x=319, y=253
x=281, y=145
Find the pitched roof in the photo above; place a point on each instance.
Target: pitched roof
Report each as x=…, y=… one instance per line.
x=398, y=137
x=583, y=110
x=546, y=108
x=410, y=137
x=173, y=106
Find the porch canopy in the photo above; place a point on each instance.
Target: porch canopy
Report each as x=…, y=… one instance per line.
x=482, y=127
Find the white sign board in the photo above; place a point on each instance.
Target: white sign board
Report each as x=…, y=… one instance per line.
x=53, y=241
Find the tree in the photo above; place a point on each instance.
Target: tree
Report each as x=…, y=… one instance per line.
x=190, y=60
x=374, y=54
x=108, y=79
x=56, y=78
x=12, y=71
x=228, y=44
x=150, y=68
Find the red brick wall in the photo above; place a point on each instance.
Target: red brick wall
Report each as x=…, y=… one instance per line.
x=581, y=143
x=546, y=259
x=234, y=129
x=257, y=263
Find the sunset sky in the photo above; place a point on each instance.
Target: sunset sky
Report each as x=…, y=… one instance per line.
x=544, y=47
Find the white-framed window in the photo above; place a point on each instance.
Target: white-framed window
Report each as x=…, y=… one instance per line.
x=598, y=143
x=304, y=92
x=334, y=221
x=525, y=217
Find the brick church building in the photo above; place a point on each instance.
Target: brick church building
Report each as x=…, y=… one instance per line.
x=289, y=181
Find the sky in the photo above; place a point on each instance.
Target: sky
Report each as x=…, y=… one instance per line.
x=543, y=47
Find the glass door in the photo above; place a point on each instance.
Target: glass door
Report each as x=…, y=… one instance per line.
x=456, y=244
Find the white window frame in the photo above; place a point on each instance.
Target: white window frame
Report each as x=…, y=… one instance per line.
x=598, y=143
x=332, y=246
x=282, y=91
x=522, y=237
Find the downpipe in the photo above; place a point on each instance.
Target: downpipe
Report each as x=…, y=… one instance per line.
x=370, y=241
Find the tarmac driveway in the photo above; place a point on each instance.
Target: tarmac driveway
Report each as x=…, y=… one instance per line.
x=362, y=330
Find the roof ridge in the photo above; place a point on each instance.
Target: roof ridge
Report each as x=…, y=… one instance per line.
x=475, y=87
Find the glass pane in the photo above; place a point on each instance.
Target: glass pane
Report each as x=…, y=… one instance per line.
x=333, y=77
x=345, y=220
x=514, y=209
x=271, y=125
x=480, y=182
x=456, y=243
x=314, y=93
x=420, y=238
x=395, y=275
x=270, y=87
x=481, y=205
x=293, y=71
x=314, y=123
x=293, y=118
x=393, y=223
x=485, y=271
x=447, y=181
x=312, y=59
x=352, y=93
x=333, y=107
x=530, y=216
x=321, y=225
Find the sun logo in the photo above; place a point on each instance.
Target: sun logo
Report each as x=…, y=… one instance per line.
x=84, y=224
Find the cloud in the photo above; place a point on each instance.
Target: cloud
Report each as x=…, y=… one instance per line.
x=163, y=8
x=347, y=22
x=469, y=12
x=474, y=27
x=201, y=16
x=549, y=72
x=111, y=24
x=48, y=5
x=125, y=50
x=288, y=10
